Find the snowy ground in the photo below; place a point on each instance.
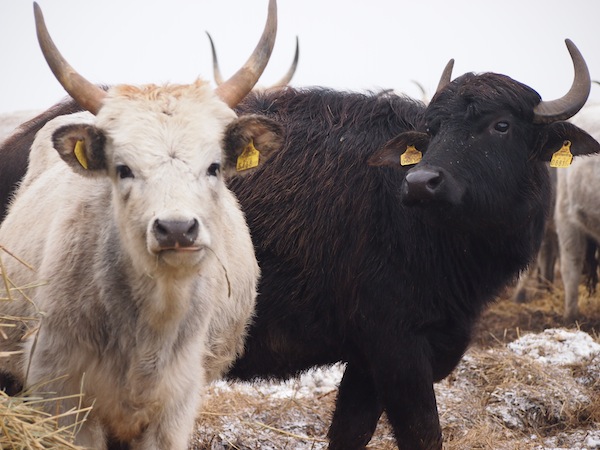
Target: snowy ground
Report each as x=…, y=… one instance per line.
x=526, y=394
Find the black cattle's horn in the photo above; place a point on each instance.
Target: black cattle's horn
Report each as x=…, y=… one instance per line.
x=446, y=76
x=88, y=95
x=572, y=101
x=237, y=87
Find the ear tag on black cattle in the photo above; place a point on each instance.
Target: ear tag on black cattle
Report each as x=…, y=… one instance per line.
x=410, y=156
x=80, y=154
x=249, y=157
x=563, y=157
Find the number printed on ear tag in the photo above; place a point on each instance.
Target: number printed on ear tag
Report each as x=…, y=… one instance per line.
x=249, y=158
x=563, y=157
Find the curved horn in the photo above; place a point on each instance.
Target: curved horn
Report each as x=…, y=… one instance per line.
x=237, y=87
x=572, y=101
x=88, y=95
x=446, y=76
x=216, y=70
x=292, y=70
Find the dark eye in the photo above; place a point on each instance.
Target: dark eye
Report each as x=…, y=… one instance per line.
x=502, y=127
x=124, y=171
x=213, y=169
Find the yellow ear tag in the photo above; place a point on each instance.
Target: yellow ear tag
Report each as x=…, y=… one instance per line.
x=249, y=157
x=80, y=154
x=563, y=157
x=410, y=156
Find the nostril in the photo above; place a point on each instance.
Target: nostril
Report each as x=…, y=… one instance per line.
x=194, y=227
x=160, y=228
x=434, y=182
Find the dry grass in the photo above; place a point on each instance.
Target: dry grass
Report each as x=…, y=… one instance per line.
x=26, y=426
x=23, y=422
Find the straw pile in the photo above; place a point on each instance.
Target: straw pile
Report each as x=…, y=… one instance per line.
x=23, y=423
x=26, y=426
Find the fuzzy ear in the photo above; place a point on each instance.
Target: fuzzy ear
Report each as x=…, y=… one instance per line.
x=249, y=142
x=403, y=150
x=560, y=138
x=81, y=146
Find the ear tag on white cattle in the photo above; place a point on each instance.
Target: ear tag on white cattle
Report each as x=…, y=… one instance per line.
x=249, y=157
x=563, y=157
x=80, y=154
x=410, y=156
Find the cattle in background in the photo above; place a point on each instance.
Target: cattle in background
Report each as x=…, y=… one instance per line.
x=577, y=215
x=540, y=274
x=12, y=152
x=10, y=121
x=147, y=267
x=388, y=268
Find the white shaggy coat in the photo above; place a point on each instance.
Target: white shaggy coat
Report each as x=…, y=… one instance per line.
x=577, y=213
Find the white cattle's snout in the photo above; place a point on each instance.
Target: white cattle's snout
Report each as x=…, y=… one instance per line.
x=176, y=234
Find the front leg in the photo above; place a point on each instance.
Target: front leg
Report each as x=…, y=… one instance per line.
x=357, y=411
x=404, y=380
x=173, y=427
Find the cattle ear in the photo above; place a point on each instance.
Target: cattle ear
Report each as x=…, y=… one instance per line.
x=249, y=142
x=562, y=138
x=81, y=146
x=405, y=149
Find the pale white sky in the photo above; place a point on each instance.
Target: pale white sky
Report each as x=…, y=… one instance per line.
x=344, y=44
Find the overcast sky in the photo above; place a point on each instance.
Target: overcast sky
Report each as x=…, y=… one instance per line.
x=354, y=45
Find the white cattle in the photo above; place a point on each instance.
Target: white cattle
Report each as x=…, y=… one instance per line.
x=577, y=214
x=145, y=270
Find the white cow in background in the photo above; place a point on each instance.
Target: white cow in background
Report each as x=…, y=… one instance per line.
x=577, y=214
x=147, y=267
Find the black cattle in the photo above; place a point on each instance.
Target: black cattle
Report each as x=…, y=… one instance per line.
x=384, y=266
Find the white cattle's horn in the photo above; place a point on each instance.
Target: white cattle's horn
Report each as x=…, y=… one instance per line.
x=88, y=95
x=241, y=83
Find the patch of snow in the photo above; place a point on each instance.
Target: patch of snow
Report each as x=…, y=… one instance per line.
x=557, y=347
x=314, y=382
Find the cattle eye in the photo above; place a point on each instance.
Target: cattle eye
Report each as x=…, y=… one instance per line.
x=213, y=169
x=501, y=127
x=124, y=171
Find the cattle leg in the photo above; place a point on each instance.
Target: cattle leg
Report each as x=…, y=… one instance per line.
x=572, y=247
x=547, y=256
x=171, y=429
x=356, y=413
x=405, y=385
